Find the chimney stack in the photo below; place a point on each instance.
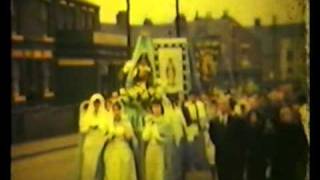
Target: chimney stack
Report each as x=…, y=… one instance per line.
x=197, y=16
x=122, y=19
x=225, y=14
x=257, y=22
x=274, y=20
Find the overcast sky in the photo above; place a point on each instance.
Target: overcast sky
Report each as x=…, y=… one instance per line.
x=244, y=11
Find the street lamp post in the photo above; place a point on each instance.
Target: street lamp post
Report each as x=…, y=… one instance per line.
x=128, y=28
x=177, y=18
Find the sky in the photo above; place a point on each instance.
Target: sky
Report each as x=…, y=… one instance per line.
x=244, y=11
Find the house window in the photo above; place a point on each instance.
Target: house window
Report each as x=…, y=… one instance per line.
x=89, y=21
x=290, y=55
x=44, y=16
x=95, y=20
x=33, y=81
x=23, y=76
x=83, y=20
x=17, y=81
x=69, y=15
x=290, y=71
x=50, y=21
x=80, y=16
x=13, y=16
x=61, y=18
x=12, y=8
x=47, y=80
x=46, y=75
x=74, y=19
x=244, y=55
x=44, y=11
x=216, y=50
x=15, y=77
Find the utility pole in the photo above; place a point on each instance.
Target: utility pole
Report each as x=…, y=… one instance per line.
x=232, y=59
x=275, y=60
x=177, y=18
x=128, y=28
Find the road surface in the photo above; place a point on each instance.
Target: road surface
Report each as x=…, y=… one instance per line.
x=54, y=159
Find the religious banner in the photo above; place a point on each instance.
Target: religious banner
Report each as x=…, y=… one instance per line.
x=207, y=58
x=172, y=64
x=170, y=60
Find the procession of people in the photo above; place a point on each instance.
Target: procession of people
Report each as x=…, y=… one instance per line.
x=143, y=133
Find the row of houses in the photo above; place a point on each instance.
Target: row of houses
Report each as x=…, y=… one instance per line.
x=62, y=53
x=272, y=53
x=59, y=58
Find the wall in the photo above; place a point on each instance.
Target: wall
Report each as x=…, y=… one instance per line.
x=36, y=123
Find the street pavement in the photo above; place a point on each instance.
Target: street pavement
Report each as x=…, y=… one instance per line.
x=57, y=164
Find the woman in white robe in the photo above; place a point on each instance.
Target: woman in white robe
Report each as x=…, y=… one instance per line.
x=82, y=112
x=94, y=125
x=118, y=157
x=156, y=133
x=305, y=118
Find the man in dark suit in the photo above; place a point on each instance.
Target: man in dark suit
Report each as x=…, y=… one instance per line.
x=227, y=133
x=290, y=147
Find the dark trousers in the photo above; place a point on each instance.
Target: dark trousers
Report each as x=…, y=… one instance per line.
x=213, y=170
x=256, y=170
x=289, y=171
x=229, y=168
x=195, y=154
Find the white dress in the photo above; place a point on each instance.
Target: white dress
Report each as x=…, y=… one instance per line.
x=92, y=146
x=118, y=157
x=94, y=126
x=82, y=129
x=305, y=117
x=154, y=156
x=93, y=143
x=178, y=125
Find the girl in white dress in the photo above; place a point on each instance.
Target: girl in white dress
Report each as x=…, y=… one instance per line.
x=118, y=156
x=94, y=126
x=156, y=133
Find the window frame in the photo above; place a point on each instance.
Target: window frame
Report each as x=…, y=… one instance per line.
x=89, y=20
x=46, y=70
x=290, y=55
x=45, y=16
x=59, y=15
x=69, y=17
x=16, y=83
x=15, y=16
